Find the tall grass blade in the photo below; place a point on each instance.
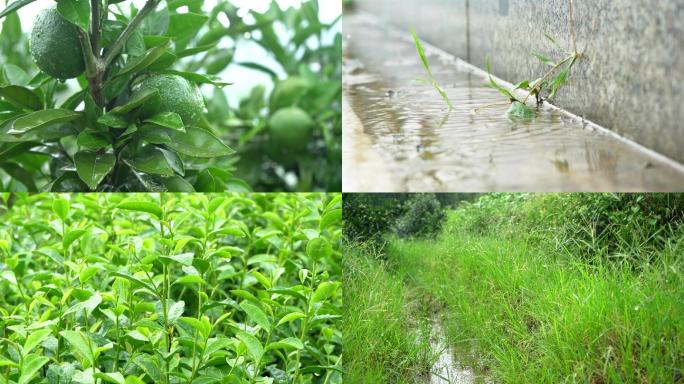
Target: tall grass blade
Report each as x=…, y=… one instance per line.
x=423, y=58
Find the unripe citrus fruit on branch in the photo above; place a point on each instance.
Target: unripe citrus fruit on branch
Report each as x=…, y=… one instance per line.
x=55, y=46
x=177, y=95
x=291, y=128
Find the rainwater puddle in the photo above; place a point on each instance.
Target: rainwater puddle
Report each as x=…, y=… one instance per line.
x=447, y=370
x=402, y=138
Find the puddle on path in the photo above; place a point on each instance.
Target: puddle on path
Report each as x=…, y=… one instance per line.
x=418, y=147
x=446, y=369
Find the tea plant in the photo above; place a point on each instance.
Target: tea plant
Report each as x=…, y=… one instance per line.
x=137, y=120
x=170, y=288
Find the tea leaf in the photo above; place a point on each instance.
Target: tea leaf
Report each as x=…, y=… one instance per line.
x=256, y=350
x=80, y=344
x=256, y=314
x=142, y=206
x=34, y=339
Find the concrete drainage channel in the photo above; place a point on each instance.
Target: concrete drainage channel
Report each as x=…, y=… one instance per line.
x=412, y=143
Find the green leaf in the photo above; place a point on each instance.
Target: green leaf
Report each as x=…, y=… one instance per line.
x=196, y=142
x=174, y=310
x=256, y=350
x=291, y=317
x=202, y=327
x=324, y=291
x=34, y=339
x=199, y=78
x=72, y=236
x=112, y=377
x=92, y=167
x=423, y=58
x=14, y=6
x=495, y=85
x=183, y=258
x=43, y=118
x=15, y=75
x=7, y=363
x=256, y=314
x=142, y=206
x=196, y=50
x=61, y=208
x=79, y=344
x=87, y=273
x=216, y=344
x=20, y=97
x=520, y=110
x=88, y=306
x=112, y=120
x=137, y=281
x=93, y=140
x=288, y=343
x=167, y=119
x=330, y=218
x=189, y=279
x=150, y=160
x=76, y=12
x=139, y=63
x=175, y=162
x=318, y=248
x=31, y=365
x=544, y=59
x=184, y=25
x=145, y=96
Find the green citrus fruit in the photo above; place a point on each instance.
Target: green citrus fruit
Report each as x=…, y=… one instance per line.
x=291, y=128
x=287, y=92
x=55, y=46
x=177, y=95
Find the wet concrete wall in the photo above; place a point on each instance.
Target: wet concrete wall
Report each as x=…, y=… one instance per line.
x=631, y=78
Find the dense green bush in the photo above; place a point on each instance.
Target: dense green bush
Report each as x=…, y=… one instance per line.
x=610, y=225
x=368, y=217
x=423, y=216
x=170, y=288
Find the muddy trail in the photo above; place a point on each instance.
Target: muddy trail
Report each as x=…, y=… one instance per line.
x=401, y=135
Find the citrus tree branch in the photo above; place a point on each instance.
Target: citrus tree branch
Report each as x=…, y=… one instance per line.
x=95, y=30
x=94, y=69
x=118, y=45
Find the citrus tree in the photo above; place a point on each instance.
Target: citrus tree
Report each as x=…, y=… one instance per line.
x=137, y=120
x=170, y=288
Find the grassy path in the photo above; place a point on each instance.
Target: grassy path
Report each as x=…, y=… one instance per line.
x=536, y=316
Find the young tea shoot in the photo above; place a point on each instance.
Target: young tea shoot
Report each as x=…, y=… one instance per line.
x=431, y=78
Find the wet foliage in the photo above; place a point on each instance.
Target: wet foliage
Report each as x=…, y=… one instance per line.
x=109, y=131
x=169, y=288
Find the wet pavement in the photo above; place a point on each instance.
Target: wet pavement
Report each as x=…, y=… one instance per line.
x=399, y=135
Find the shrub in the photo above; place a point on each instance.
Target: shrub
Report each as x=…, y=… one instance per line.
x=367, y=217
x=170, y=288
x=423, y=216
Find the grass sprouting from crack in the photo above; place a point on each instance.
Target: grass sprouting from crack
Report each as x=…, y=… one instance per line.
x=550, y=83
x=423, y=58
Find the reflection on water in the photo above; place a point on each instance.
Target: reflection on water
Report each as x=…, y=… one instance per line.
x=427, y=148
